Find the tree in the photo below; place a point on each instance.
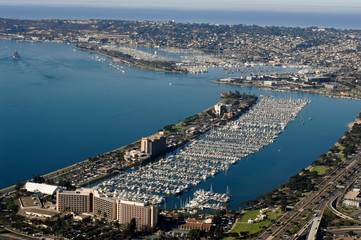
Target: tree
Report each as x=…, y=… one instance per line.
x=218, y=232
x=11, y=206
x=132, y=227
x=283, y=202
x=38, y=179
x=18, y=186
x=194, y=234
x=227, y=206
x=217, y=219
x=244, y=234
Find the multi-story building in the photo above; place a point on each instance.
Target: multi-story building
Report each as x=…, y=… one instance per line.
x=80, y=201
x=154, y=144
x=146, y=216
x=89, y=201
x=105, y=207
x=221, y=108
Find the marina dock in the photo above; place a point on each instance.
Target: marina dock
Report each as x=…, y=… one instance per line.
x=203, y=158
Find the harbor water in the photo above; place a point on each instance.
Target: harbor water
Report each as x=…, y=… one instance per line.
x=59, y=106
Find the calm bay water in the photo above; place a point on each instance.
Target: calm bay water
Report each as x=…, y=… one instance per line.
x=58, y=106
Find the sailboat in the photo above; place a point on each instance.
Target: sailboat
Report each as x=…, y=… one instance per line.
x=16, y=55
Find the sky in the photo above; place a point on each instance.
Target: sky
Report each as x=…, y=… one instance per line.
x=322, y=6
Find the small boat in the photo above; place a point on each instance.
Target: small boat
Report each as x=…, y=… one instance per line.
x=16, y=55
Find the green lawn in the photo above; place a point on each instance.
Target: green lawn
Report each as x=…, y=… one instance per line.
x=250, y=214
x=340, y=147
x=252, y=228
x=179, y=127
x=274, y=215
x=347, y=208
x=321, y=170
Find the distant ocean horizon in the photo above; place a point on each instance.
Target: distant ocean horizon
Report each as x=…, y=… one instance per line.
x=321, y=20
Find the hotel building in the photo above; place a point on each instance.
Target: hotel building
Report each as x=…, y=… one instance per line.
x=154, y=144
x=89, y=201
x=80, y=201
x=146, y=216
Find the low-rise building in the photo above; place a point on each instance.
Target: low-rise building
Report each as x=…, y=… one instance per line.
x=30, y=202
x=269, y=83
x=195, y=224
x=41, y=188
x=352, y=198
x=39, y=213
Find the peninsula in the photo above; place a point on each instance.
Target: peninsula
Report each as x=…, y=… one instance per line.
x=154, y=64
x=108, y=164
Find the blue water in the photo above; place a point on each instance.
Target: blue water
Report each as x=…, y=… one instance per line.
x=329, y=20
x=58, y=107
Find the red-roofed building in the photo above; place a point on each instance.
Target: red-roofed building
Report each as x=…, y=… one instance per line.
x=195, y=224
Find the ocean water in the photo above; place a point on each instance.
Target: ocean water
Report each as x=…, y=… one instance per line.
x=59, y=106
x=329, y=20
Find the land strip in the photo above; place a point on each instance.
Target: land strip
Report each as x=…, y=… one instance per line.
x=131, y=61
x=89, y=171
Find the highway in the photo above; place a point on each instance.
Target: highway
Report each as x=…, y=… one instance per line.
x=326, y=190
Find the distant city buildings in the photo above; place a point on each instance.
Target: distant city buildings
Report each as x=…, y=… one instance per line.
x=89, y=201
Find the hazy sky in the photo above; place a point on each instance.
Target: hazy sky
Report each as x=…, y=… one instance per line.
x=235, y=5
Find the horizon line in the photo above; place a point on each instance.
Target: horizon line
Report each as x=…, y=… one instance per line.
x=285, y=9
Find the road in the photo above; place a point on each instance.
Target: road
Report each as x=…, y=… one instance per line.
x=6, y=233
x=343, y=230
x=326, y=190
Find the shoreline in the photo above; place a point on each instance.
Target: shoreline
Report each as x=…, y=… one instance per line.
x=129, y=64
x=73, y=167
x=63, y=170
x=274, y=88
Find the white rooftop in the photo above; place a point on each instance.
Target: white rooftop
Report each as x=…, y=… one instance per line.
x=42, y=188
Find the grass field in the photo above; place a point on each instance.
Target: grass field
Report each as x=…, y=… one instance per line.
x=179, y=127
x=340, y=147
x=321, y=170
x=253, y=228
